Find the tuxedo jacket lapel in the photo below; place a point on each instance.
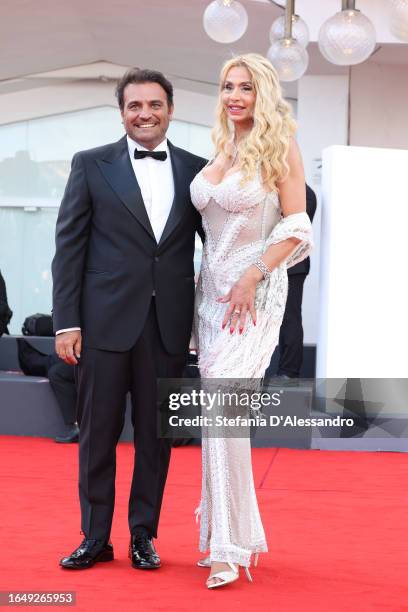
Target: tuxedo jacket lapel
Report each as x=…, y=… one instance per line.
x=181, y=179
x=117, y=169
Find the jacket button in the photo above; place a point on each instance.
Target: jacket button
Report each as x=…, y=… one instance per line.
x=156, y=258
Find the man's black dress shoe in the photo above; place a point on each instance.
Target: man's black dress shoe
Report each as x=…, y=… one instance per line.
x=142, y=552
x=87, y=554
x=72, y=435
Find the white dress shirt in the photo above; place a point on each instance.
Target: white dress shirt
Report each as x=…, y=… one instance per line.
x=156, y=183
x=155, y=179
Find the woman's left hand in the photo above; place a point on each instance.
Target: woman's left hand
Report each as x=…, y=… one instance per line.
x=241, y=298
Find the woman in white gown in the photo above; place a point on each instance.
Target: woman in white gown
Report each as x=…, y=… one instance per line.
x=252, y=200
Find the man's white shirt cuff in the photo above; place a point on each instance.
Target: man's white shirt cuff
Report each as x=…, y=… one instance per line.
x=61, y=331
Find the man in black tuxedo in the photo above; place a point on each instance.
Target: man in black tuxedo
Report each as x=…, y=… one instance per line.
x=123, y=306
x=291, y=331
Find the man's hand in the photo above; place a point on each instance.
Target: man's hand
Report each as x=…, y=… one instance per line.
x=68, y=346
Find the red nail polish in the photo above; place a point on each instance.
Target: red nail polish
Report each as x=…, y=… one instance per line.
x=223, y=326
x=241, y=329
x=231, y=330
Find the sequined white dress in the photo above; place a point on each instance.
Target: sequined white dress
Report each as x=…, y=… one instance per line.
x=240, y=222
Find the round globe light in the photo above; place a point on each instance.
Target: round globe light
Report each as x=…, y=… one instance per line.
x=289, y=59
x=300, y=31
x=347, y=38
x=398, y=19
x=225, y=21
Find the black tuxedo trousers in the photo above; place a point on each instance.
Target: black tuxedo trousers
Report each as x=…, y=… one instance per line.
x=291, y=331
x=104, y=378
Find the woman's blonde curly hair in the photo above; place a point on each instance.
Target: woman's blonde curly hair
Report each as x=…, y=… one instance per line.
x=267, y=144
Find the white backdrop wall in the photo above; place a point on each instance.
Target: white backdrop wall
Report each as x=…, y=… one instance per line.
x=364, y=300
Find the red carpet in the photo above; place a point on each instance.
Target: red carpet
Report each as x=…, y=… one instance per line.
x=336, y=523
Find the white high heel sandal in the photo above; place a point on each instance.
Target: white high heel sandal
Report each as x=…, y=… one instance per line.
x=227, y=577
x=207, y=563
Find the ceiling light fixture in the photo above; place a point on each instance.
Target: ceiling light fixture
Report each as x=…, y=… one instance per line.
x=398, y=19
x=300, y=31
x=347, y=38
x=287, y=54
x=225, y=21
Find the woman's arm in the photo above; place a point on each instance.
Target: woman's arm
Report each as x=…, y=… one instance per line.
x=292, y=196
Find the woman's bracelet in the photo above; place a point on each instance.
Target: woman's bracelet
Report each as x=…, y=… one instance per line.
x=263, y=268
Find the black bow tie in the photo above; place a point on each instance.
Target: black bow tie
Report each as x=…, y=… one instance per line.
x=160, y=155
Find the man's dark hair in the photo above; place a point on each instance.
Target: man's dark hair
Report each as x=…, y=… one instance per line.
x=139, y=75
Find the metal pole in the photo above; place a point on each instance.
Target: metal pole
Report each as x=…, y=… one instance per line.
x=289, y=12
x=348, y=5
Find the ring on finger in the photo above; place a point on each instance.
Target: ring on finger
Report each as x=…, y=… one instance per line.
x=236, y=311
